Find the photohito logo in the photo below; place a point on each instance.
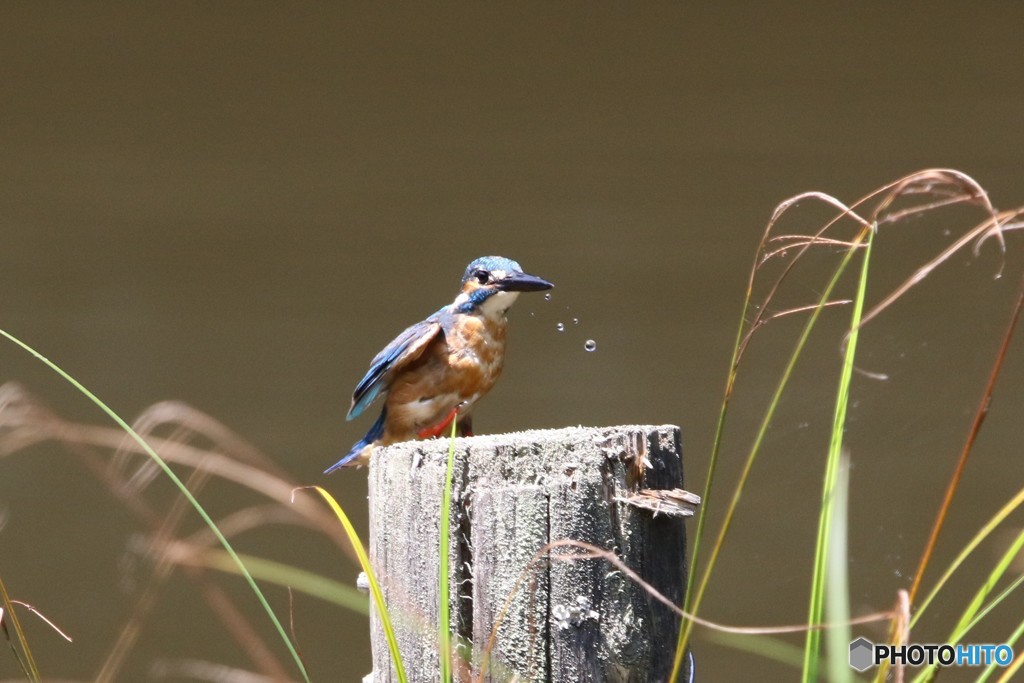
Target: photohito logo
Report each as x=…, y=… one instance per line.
x=864, y=654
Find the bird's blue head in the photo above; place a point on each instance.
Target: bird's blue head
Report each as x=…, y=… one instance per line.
x=489, y=276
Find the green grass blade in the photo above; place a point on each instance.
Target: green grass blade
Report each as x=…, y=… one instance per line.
x=181, y=487
x=828, y=500
x=1011, y=641
x=287, y=576
x=375, y=591
x=982, y=612
x=977, y=609
x=766, y=420
x=837, y=580
x=686, y=626
x=28, y=665
x=1012, y=670
x=990, y=526
x=443, y=611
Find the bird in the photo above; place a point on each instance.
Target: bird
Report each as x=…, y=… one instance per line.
x=436, y=370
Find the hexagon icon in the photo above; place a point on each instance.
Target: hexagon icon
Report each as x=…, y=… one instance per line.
x=861, y=658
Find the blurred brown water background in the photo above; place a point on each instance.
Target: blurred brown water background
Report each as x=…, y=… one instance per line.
x=237, y=205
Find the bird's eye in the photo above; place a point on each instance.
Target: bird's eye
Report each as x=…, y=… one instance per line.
x=482, y=276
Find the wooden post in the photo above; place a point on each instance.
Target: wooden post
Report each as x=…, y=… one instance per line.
x=563, y=620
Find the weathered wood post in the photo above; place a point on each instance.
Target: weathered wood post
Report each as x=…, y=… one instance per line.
x=560, y=620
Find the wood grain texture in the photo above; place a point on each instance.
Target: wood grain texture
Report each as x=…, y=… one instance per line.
x=561, y=619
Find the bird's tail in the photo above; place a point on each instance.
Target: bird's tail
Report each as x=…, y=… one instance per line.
x=376, y=431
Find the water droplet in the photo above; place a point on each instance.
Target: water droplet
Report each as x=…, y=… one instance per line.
x=590, y=345
x=575, y=321
x=547, y=297
x=560, y=327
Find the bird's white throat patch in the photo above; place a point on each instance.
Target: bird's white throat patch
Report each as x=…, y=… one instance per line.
x=495, y=306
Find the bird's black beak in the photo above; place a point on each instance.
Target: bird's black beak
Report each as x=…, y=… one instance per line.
x=521, y=282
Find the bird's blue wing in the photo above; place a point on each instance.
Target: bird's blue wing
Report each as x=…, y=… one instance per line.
x=405, y=348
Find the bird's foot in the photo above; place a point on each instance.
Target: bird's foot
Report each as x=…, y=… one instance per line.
x=440, y=428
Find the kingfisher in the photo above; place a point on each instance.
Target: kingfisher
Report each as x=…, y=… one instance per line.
x=436, y=370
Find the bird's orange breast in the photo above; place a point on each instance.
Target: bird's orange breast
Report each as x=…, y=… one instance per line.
x=458, y=368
